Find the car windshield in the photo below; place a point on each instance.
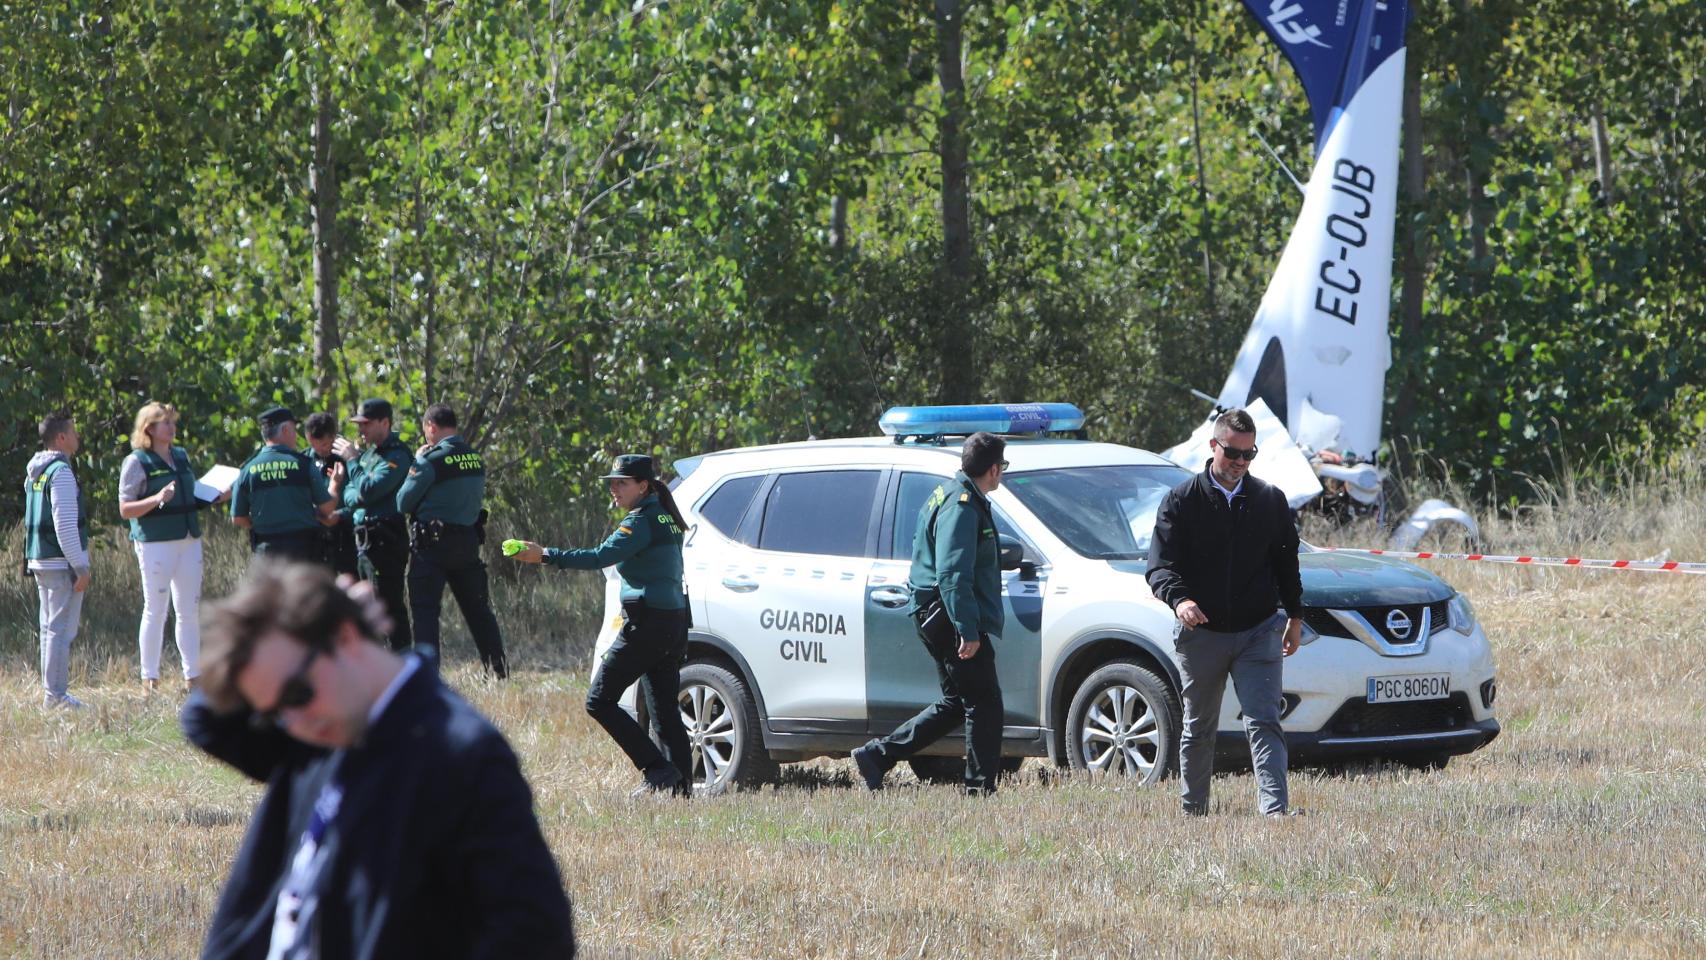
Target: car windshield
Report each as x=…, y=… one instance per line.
x=1104, y=513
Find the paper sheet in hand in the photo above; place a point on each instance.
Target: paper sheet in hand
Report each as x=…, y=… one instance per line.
x=216, y=481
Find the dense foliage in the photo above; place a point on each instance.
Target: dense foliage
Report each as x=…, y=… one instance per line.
x=684, y=225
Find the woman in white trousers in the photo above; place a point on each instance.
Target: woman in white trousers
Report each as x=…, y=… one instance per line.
x=156, y=492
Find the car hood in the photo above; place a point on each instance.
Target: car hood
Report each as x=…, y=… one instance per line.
x=1342, y=580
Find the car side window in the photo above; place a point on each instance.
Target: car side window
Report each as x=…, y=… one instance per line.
x=727, y=504
x=826, y=512
x=915, y=489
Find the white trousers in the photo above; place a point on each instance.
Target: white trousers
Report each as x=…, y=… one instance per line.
x=171, y=572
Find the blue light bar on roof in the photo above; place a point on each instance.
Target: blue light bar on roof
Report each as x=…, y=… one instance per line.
x=969, y=419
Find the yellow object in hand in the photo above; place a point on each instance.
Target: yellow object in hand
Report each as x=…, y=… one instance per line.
x=513, y=547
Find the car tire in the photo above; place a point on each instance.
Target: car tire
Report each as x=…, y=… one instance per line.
x=721, y=717
x=952, y=770
x=1124, y=721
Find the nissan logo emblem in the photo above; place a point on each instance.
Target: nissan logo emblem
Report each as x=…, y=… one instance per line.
x=1398, y=624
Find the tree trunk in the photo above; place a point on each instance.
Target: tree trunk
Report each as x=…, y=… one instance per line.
x=1602, y=156
x=323, y=189
x=955, y=337
x=1411, y=236
x=1205, y=233
x=838, y=224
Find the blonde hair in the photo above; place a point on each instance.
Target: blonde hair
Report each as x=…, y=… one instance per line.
x=151, y=413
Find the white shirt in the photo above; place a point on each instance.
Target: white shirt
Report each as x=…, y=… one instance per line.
x=1228, y=493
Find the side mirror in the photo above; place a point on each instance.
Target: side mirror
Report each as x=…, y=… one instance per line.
x=1011, y=551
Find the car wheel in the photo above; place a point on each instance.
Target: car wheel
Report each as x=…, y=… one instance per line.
x=1124, y=721
x=721, y=718
x=952, y=770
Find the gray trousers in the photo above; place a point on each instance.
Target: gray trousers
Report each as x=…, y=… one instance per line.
x=61, y=609
x=1252, y=658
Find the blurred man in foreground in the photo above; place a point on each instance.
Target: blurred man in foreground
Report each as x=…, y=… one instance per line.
x=396, y=821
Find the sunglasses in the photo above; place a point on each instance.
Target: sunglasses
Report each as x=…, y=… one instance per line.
x=1233, y=453
x=1004, y=464
x=296, y=692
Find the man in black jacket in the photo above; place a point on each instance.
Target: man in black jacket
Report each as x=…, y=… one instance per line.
x=1224, y=557
x=396, y=821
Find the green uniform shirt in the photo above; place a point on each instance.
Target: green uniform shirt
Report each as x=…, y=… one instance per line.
x=646, y=549
x=279, y=490
x=374, y=479
x=956, y=554
x=175, y=520
x=447, y=484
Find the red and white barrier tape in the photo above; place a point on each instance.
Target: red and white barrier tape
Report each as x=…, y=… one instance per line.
x=1657, y=566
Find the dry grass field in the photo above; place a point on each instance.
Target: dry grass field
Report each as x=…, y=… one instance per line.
x=1581, y=832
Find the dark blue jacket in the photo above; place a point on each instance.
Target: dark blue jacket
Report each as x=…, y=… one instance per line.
x=1237, y=560
x=435, y=850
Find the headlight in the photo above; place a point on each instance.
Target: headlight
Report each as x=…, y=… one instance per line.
x=1462, y=615
x=1307, y=635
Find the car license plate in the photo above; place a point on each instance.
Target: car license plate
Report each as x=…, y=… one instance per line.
x=1413, y=687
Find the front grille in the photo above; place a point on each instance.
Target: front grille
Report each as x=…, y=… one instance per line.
x=1359, y=718
x=1324, y=623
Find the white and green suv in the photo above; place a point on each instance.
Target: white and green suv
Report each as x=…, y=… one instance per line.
x=796, y=566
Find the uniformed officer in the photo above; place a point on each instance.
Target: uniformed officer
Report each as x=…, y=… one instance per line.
x=279, y=497
x=442, y=495
x=381, y=533
x=646, y=550
x=337, y=542
x=956, y=602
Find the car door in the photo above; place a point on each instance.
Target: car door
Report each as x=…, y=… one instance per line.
x=900, y=677
x=789, y=596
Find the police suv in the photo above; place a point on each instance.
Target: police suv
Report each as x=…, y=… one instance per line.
x=796, y=565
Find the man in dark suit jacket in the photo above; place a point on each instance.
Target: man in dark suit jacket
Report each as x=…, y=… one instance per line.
x=396, y=821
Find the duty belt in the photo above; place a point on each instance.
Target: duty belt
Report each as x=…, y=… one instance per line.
x=384, y=525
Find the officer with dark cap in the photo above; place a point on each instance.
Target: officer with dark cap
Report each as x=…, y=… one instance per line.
x=337, y=542
x=381, y=533
x=646, y=550
x=280, y=498
x=442, y=495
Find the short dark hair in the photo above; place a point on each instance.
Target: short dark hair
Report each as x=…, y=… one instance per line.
x=321, y=425
x=440, y=415
x=52, y=426
x=298, y=599
x=982, y=451
x=1236, y=420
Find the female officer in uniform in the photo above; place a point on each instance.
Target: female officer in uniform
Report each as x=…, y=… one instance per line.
x=646, y=549
x=156, y=492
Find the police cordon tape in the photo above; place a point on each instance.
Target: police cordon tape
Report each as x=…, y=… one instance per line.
x=1656, y=566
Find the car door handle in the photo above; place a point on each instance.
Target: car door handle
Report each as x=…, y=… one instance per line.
x=891, y=596
x=740, y=583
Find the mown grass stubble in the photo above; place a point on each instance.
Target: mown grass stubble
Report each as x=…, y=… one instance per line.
x=1579, y=833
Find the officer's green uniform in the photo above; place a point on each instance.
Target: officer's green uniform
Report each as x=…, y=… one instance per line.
x=442, y=495
x=175, y=520
x=381, y=533
x=280, y=490
x=646, y=550
x=955, y=560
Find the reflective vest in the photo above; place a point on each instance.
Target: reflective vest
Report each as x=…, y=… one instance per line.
x=175, y=520
x=41, y=538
